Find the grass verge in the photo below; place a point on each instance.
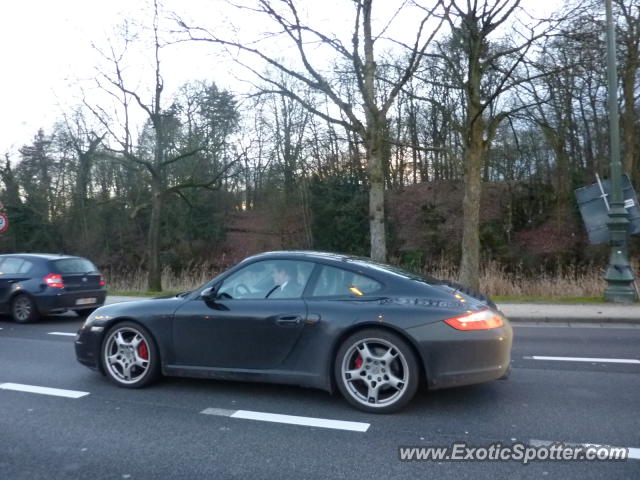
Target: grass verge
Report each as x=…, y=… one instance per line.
x=541, y=299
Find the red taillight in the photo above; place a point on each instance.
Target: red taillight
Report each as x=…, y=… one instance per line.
x=481, y=320
x=54, y=280
x=102, y=281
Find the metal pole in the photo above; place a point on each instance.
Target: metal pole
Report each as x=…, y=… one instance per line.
x=619, y=275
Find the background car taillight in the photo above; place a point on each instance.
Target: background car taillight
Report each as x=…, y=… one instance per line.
x=54, y=280
x=481, y=320
x=102, y=282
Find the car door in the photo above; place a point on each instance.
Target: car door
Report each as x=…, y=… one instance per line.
x=5, y=285
x=244, y=327
x=12, y=270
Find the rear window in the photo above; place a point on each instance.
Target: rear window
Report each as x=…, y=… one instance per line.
x=74, y=265
x=334, y=281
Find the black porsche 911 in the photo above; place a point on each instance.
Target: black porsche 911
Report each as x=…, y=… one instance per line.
x=372, y=331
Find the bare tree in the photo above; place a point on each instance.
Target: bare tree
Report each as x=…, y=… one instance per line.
x=374, y=95
x=629, y=38
x=484, y=70
x=161, y=122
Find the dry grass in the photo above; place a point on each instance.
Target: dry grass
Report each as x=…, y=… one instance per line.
x=495, y=280
x=572, y=281
x=135, y=280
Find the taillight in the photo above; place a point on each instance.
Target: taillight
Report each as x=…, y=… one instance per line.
x=481, y=320
x=102, y=283
x=54, y=280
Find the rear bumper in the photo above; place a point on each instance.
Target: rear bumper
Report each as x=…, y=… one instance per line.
x=60, y=301
x=454, y=358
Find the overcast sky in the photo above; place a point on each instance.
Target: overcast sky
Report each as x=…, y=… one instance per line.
x=46, y=54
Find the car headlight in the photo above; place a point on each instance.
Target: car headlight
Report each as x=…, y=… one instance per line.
x=92, y=319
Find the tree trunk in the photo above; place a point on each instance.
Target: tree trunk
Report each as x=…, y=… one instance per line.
x=629, y=120
x=375, y=161
x=155, y=273
x=474, y=155
x=470, y=262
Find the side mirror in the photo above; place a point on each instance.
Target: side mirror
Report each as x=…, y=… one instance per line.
x=209, y=293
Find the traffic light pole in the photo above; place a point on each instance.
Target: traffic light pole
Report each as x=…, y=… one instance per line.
x=619, y=276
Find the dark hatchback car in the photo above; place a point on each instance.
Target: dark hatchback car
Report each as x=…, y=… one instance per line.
x=32, y=285
x=369, y=330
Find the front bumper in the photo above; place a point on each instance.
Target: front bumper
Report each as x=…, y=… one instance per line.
x=64, y=300
x=87, y=345
x=454, y=357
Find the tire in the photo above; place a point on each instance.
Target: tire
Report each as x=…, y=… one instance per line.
x=85, y=311
x=376, y=371
x=129, y=356
x=23, y=309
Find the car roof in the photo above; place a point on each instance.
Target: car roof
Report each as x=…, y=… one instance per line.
x=305, y=254
x=38, y=256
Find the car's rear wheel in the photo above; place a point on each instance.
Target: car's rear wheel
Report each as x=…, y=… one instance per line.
x=376, y=371
x=129, y=355
x=23, y=309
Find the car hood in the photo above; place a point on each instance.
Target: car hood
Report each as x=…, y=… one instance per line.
x=148, y=306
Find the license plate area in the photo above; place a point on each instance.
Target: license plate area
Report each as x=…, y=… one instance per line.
x=86, y=301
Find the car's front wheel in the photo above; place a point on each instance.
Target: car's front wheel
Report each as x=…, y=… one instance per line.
x=376, y=371
x=23, y=309
x=129, y=355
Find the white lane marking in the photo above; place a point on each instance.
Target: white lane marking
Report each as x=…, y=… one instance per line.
x=63, y=334
x=221, y=412
x=633, y=453
x=290, y=419
x=58, y=392
x=585, y=359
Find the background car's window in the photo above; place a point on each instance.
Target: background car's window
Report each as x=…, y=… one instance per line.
x=11, y=265
x=336, y=281
x=75, y=265
x=268, y=279
x=25, y=267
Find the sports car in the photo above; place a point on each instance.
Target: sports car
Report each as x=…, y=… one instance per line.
x=371, y=331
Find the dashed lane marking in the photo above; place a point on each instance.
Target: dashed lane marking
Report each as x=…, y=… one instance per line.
x=632, y=453
x=289, y=419
x=584, y=359
x=56, y=392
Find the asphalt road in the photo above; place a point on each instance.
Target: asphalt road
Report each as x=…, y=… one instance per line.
x=160, y=432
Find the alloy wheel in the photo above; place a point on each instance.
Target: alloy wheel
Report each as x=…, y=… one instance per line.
x=127, y=355
x=375, y=372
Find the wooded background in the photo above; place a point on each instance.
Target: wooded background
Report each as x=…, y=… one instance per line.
x=461, y=146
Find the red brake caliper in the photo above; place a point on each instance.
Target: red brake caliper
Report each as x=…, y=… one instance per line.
x=143, y=351
x=358, y=361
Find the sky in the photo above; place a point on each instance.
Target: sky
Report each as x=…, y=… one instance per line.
x=49, y=61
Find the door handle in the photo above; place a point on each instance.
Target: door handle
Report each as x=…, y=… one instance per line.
x=289, y=320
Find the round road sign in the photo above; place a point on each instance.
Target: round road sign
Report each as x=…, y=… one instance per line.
x=4, y=222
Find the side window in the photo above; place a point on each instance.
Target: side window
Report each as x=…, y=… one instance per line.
x=334, y=281
x=268, y=279
x=25, y=267
x=11, y=265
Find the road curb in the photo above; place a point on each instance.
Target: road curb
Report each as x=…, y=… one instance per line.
x=590, y=320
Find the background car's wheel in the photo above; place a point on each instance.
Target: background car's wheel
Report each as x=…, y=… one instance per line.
x=129, y=355
x=376, y=371
x=85, y=312
x=23, y=309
